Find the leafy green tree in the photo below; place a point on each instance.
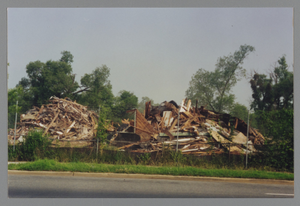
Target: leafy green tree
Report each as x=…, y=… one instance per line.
x=124, y=102
x=96, y=89
x=274, y=114
x=275, y=92
x=14, y=95
x=240, y=111
x=67, y=57
x=213, y=88
x=53, y=78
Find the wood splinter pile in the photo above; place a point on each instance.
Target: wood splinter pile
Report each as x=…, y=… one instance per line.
x=200, y=131
x=62, y=119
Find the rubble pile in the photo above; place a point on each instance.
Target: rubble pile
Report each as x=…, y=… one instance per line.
x=199, y=130
x=63, y=119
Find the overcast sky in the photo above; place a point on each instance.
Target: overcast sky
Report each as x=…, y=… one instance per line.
x=150, y=51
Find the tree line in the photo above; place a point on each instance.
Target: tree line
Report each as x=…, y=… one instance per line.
x=56, y=78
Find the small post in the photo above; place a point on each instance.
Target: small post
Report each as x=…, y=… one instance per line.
x=177, y=129
x=247, y=140
x=15, y=125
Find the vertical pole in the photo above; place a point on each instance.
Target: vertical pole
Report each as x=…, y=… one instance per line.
x=247, y=140
x=134, y=121
x=229, y=153
x=97, y=137
x=15, y=125
x=177, y=129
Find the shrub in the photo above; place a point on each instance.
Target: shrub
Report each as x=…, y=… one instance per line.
x=34, y=146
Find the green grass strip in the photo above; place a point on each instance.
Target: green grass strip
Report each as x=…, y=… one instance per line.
x=52, y=165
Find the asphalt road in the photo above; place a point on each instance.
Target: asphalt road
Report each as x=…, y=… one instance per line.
x=31, y=186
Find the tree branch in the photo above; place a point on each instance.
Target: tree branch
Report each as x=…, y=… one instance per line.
x=82, y=90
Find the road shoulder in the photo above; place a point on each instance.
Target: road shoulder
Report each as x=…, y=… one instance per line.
x=147, y=176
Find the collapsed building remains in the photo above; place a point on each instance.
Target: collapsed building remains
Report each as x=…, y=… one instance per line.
x=198, y=130
x=63, y=119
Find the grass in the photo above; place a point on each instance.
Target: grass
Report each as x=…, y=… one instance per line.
x=52, y=165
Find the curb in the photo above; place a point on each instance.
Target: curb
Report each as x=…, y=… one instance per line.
x=147, y=176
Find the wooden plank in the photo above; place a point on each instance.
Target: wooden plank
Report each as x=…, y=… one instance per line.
x=236, y=123
x=142, y=130
x=174, y=123
x=168, y=133
x=188, y=106
x=69, y=128
x=187, y=114
x=129, y=145
x=38, y=114
x=218, y=137
x=51, y=122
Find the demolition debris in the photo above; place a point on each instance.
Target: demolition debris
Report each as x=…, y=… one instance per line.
x=198, y=130
x=62, y=119
x=191, y=130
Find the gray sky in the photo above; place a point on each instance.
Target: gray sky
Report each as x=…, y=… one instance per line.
x=150, y=51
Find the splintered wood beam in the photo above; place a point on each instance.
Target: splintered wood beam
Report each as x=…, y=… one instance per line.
x=114, y=137
x=173, y=124
x=53, y=120
x=66, y=132
x=38, y=114
x=129, y=145
x=188, y=106
x=236, y=123
x=168, y=133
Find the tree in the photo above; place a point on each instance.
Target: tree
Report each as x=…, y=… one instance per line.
x=240, y=111
x=273, y=106
x=124, y=102
x=53, y=78
x=14, y=95
x=213, y=88
x=96, y=89
x=275, y=92
x=67, y=57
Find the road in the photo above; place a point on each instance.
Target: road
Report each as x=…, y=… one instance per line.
x=26, y=186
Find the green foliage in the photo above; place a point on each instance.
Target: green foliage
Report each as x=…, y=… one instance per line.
x=213, y=88
x=35, y=146
x=278, y=151
x=102, y=125
x=52, y=78
x=14, y=95
x=275, y=92
x=240, y=111
x=67, y=57
x=124, y=102
x=97, y=89
x=144, y=158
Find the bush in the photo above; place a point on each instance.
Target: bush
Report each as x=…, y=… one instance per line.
x=278, y=151
x=35, y=146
